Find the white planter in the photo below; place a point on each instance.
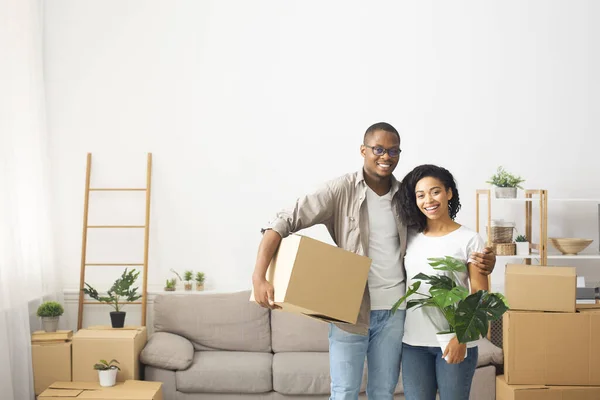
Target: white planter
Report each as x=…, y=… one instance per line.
x=108, y=377
x=443, y=340
x=522, y=248
x=50, y=324
x=505, y=192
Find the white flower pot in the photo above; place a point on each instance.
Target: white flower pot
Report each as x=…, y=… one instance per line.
x=443, y=340
x=108, y=377
x=505, y=192
x=522, y=248
x=50, y=324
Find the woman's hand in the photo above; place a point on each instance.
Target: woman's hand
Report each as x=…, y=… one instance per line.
x=455, y=351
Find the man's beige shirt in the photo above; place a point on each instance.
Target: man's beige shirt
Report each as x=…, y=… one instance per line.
x=340, y=206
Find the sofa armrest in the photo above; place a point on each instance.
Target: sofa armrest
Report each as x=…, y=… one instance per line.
x=168, y=351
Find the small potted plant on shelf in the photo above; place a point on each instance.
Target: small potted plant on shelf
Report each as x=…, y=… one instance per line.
x=50, y=312
x=505, y=183
x=107, y=372
x=200, y=281
x=121, y=289
x=467, y=314
x=187, y=277
x=522, y=245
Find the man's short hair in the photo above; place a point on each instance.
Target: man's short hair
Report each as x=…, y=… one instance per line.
x=380, y=126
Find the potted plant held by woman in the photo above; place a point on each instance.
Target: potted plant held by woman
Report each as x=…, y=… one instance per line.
x=505, y=183
x=120, y=291
x=468, y=315
x=107, y=372
x=50, y=311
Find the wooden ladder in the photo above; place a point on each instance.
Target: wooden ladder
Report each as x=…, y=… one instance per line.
x=146, y=228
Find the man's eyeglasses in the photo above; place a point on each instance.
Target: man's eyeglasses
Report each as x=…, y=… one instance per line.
x=379, y=151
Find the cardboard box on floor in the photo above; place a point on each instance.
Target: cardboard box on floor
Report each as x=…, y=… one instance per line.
x=129, y=390
x=542, y=348
x=318, y=280
x=103, y=343
x=51, y=358
x=504, y=391
x=539, y=288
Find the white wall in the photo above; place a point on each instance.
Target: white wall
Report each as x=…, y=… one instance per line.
x=246, y=105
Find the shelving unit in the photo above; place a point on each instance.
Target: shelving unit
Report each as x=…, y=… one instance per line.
x=540, y=252
x=528, y=200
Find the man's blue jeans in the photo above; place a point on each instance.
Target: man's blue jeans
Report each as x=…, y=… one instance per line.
x=382, y=348
x=424, y=371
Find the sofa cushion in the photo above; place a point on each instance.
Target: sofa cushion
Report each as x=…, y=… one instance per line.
x=296, y=373
x=301, y=373
x=167, y=351
x=294, y=332
x=489, y=353
x=224, y=321
x=227, y=372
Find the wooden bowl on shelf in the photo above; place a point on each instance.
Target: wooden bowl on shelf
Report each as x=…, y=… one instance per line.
x=570, y=246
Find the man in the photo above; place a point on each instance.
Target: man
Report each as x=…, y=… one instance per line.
x=360, y=211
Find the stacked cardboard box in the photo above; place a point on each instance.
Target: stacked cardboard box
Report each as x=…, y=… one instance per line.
x=549, y=346
x=51, y=358
x=129, y=390
x=104, y=343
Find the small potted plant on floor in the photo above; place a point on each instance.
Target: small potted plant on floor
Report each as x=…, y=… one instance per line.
x=522, y=245
x=468, y=315
x=121, y=289
x=200, y=281
x=107, y=372
x=505, y=183
x=50, y=312
x=187, y=277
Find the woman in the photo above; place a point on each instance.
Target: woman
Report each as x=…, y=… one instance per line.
x=430, y=204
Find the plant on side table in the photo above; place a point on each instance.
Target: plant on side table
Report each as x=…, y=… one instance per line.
x=188, y=277
x=522, y=245
x=200, y=281
x=506, y=183
x=107, y=372
x=468, y=315
x=121, y=289
x=50, y=312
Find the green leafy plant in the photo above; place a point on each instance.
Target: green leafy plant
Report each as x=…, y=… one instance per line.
x=521, y=238
x=171, y=283
x=200, y=277
x=50, y=309
x=120, y=289
x=105, y=366
x=188, y=275
x=502, y=178
x=467, y=314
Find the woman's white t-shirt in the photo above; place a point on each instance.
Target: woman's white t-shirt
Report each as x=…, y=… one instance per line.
x=423, y=323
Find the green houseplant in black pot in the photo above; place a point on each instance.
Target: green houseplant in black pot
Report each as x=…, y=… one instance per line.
x=468, y=315
x=120, y=291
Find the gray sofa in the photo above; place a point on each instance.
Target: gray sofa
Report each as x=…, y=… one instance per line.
x=222, y=346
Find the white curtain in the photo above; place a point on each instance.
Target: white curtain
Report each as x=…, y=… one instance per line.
x=27, y=266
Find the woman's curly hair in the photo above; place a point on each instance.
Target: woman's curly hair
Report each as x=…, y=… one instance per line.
x=410, y=213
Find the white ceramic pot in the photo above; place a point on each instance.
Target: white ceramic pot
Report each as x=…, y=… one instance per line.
x=522, y=248
x=443, y=340
x=108, y=377
x=505, y=192
x=50, y=324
